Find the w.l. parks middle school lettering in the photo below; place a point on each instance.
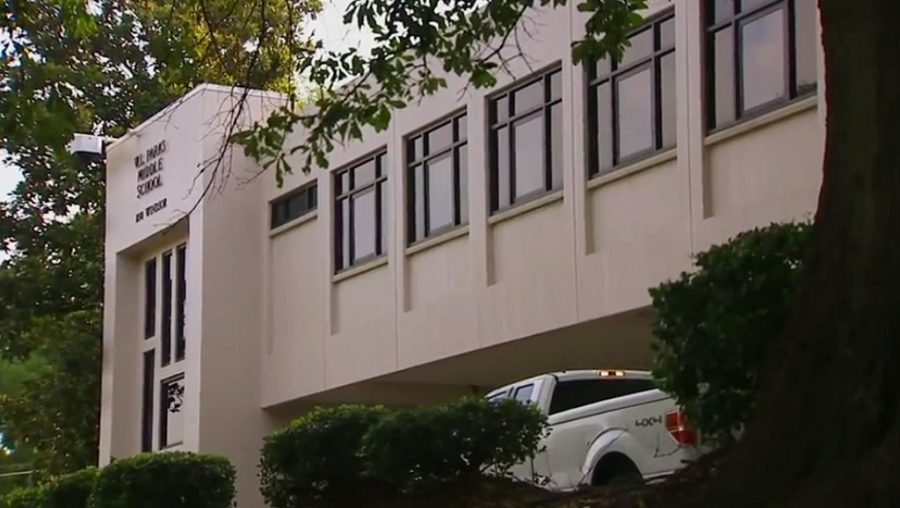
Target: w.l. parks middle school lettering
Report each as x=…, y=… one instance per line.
x=149, y=165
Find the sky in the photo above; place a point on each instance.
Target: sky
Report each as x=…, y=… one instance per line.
x=9, y=177
x=329, y=27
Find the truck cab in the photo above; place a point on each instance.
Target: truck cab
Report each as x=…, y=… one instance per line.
x=606, y=426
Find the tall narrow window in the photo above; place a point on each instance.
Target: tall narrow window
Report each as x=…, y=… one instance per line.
x=171, y=416
x=436, y=170
x=361, y=204
x=166, y=340
x=147, y=402
x=293, y=206
x=150, y=298
x=526, y=141
x=760, y=55
x=631, y=102
x=181, y=296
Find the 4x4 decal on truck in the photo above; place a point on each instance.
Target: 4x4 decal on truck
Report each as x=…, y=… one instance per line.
x=649, y=422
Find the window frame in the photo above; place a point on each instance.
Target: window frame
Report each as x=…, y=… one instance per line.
x=382, y=166
x=164, y=294
x=167, y=294
x=735, y=22
x=498, y=397
x=164, y=409
x=411, y=164
x=165, y=302
x=151, y=285
x=308, y=191
x=180, y=301
x=612, y=78
x=147, y=403
x=545, y=108
x=530, y=387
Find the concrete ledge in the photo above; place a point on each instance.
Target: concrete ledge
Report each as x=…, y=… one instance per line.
x=437, y=240
x=637, y=167
x=762, y=120
x=526, y=207
x=287, y=226
x=356, y=270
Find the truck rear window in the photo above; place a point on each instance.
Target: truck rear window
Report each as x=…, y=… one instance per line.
x=498, y=397
x=572, y=394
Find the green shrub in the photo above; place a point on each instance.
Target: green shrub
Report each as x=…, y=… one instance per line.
x=71, y=490
x=419, y=448
x=716, y=328
x=170, y=480
x=350, y=455
x=317, y=457
x=24, y=497
x=66, y=491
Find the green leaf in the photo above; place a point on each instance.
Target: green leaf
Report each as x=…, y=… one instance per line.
x=381, y=119
x=483, y=78
x=717, y=327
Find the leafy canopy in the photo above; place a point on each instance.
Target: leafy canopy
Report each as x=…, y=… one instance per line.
x=99, y=67
x=66, y=491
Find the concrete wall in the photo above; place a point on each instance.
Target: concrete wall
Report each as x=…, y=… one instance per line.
x=587, y=253
x=229, y=375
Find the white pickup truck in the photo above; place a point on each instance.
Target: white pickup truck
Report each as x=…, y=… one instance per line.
x=606, y=426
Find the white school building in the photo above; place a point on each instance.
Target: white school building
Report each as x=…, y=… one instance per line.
x=484, y=237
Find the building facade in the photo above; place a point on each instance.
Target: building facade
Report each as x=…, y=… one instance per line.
x=485, y=236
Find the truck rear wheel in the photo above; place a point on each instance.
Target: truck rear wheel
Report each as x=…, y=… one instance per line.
x=616, y=469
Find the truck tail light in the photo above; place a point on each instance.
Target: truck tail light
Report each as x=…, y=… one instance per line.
x=677, y=425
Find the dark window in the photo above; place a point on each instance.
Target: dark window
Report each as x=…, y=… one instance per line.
x=526, y=141
x=294, y=205
x=181, y=293
x=523, y=393
x=436, y=179
x=150, y=298
x=147, y=403
x=171, y=417
x=361, y=203
x=760, y=54
x=166, y=340
x=571, y=394
x=631, y=103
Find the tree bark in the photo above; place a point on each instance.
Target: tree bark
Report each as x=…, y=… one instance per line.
x=827, y=432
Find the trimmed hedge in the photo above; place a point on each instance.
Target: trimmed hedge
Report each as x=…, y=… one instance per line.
x=170, y=480
x=352, y=453
x=67, y=491
x=317, y=456
x=418, y=448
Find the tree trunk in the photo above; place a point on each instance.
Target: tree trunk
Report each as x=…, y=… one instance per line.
x=828, y=427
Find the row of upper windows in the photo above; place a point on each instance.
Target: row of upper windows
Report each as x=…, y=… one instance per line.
x=760, y=54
